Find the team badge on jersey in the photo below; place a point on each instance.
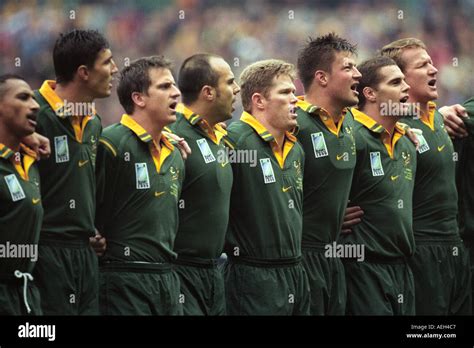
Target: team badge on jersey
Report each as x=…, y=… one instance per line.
x=267, y=170
x=14, y=187
x=423, y=144
x=319, y=145
x=141, y=175
x=376, y=164
x=61, y=149
x=205, y=150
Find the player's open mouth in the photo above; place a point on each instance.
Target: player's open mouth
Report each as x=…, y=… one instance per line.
x=432, y=83
x=32, y=119
x=404, y=99
x=354, y=88
x=293, y=111
x=173, y=106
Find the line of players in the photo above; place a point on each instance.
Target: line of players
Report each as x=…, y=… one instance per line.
x=124, y=189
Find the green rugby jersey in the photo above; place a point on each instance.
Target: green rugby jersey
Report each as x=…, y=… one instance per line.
x=266, y=211
x=435, y=196
x=465, y=175
x=330, y=161
x=382, y=186
x=139, y=189
x=68, y=184
x=21, y=212
x=205, y=199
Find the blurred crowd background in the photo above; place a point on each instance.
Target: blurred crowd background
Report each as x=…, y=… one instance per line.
x=241, y=31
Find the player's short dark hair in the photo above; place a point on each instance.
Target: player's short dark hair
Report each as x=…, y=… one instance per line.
x=319, y=54
x=3, y=80
x=370, y=70
x=195, y=73
x=75, y=48
x=136, y=78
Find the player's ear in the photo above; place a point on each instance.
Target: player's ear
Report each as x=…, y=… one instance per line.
x=83, y=73
x=321, y=77
x=208, y=92
x=370, y=94
x=258, y=100
x=138, y=99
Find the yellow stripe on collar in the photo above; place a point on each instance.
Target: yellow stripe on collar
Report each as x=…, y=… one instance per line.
x=215, y=134
x=157, y=155
x=47, y=91
x=78, y=122
x=289, y=140
x=133, y=125
x=388, y=140
x=257, y=126
x=323, y=115
x=22, y=167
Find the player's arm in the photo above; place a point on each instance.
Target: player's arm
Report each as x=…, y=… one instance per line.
x=39, y=144
x=106, y=157
x=180, y=143
x=453, y=120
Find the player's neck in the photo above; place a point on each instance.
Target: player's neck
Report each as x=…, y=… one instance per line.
x=73, y=93
x=148, y=124
x=203, y=111
x=9, y=140
x=388, y=122
x=325, y=102
x=423, y=107
x=278, y=134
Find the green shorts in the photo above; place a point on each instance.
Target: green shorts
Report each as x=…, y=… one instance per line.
x=442, y=276
x=66, y=274
x=12, y=297
x=202, y=286
x=266, y=287
x=375, y=288
x=128, y=288
x=327, y=282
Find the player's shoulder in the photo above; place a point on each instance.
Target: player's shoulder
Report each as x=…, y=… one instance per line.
x=238, y=133
x=182, y=127
x=115, y=137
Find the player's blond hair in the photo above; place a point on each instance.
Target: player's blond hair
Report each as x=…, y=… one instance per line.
x=395, y=49
x=258, y=78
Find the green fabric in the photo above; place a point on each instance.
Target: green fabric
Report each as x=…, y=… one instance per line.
x=67, y=277
x=470, y=250
x=435, y=196
x=327, y=282
x=139, y=224
x=266, y=291
x=203, y=290
x=21, y=214
x=442, y=279
x=386, y=199
x=204, y=217
x=136, y=293
x=465, y=175
x=67, y=188
x=12, y=302
x=328, y=176
x=265, y=219
x=379, y=289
